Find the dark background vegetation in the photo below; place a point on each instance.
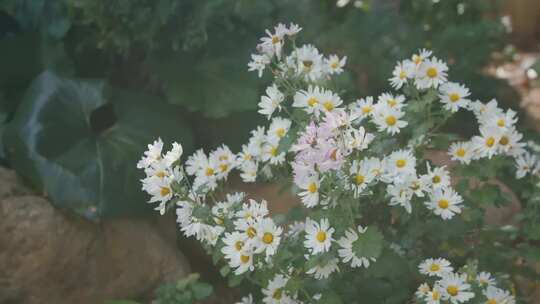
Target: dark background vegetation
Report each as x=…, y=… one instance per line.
x=85, y=85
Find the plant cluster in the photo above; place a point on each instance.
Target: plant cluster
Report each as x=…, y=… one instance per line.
x=374, y=205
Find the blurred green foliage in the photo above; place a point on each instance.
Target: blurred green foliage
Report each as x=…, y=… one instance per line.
x=191, y=55
x=188, y=290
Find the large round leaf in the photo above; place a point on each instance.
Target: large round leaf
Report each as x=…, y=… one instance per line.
x=214, y=81
x=80, y=145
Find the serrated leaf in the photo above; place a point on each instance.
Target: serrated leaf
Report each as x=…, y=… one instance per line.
x=369, y=243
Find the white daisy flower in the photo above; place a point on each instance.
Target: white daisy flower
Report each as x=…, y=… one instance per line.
x=274, y=293
x=334, y=65
x=278, y=129
x=435, y=267
x=388, y=119
x=320, y=272
x=271, y=102
x=347, y=252
x=445, y=202
x=437, y=178
x=358, y=139
x=309, y=62
x=242, y=262
x=234, y=243
x=174, y=154
x=310, y=100
x=499, y=119
x=453, y=96
x=400, y=194
x=151, y=155
x=268, y=237
x=310, y=184
x=161, y=191
x=391, y=101
x=431, y=73
x=455, y=289
x=486, y=144
x=485, y=279
x=258, y=63
x=404, y=70
x=362, y=107
x=422, y=290
x=434, y=296
x=461, y=152
x=399, y=164
x=495, y=295
x=361, y=175
x=509, y=142
x=422, y=55
x=270, y=152
x=329, y=100
x=525, y=163
x=248, y=171
x=318, y=236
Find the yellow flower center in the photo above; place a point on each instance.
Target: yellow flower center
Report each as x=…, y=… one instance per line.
x=452, y=290
x=359, y=179
x=366, y=109
x=238, y=245
x=209, y=171
x=434, y=267
x=223, y=167
x=277, y=294
x=160, y=174
x=500, y=122
x=247, y=156
x=280, y=132
x=312, y=101
x=491, y=301
x=307, y=64
x=273, y=151
x=453, y=97
x=312, y=187
x=321, y=236
x=490, y=141
x=503, y=141
x=443, y=204
x=334, y=65
x=460, y=152
x=435, y=295
x=402, y=75
x=329, y=106
x=251, y=232
x=431, y=72
x=416, y=59
x=244, y=258
x=392, y=102
x=400, y=163
x=164, y=191
x=390, y=120
x=267, y=238
x=436, y=179
x=223, y=157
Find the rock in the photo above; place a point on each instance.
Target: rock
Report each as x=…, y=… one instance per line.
x=48, y=256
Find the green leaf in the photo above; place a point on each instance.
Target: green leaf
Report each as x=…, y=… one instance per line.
x=60, y=140
x=201, y=290
x=120, y=302
x=369, y=243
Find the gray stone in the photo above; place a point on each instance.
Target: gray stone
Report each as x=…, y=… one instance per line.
x=51, y=256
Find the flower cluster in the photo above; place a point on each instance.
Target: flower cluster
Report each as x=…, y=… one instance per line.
x=343, y=160
x=448, y=286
